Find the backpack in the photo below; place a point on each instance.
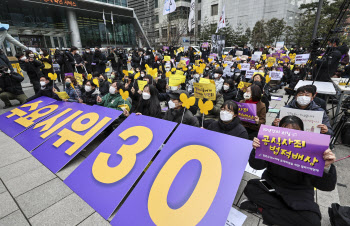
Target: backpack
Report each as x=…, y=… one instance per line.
x=339, y=215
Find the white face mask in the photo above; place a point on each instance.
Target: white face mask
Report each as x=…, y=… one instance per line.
x=303, y=100
x=167, y=69
x=296, y=72
x=112, y=90
x=225, y=116
x=42, y=84
x=77, y=52
x=238, y=74
x=23, y=58
x=171, y=104
x=247, y=96
x=226, y=87
x=31, y=55
x=146, y=96
x=232, y=70
x=142, y=75
x=87, y=51
x=87, y=88
x=173, y=88
x=216, y=75
x=196, y=75
x=41, y=53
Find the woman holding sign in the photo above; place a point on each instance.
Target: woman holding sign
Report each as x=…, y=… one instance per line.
x=253, y=96
x=149, y=104
x=286, y=196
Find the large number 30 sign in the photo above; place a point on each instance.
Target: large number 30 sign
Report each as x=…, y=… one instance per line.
x=192, y=181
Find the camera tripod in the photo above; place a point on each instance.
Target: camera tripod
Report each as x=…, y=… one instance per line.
x=340, y=125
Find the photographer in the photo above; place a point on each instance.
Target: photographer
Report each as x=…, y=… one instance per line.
x=4, y=61
x=10, y=87
x=327, y=66
x=32, y=67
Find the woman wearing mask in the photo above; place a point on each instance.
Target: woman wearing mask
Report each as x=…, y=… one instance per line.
x=229, y=122
x=195, y=79
x=47, y=62
x=73, y=93
x=228, y=90
x=292, y=202
x=253, y=96
x=149, y=104
x=33, y=67
x=113, y=99
x=100, y=60
x=104, y=84
x=89, y=96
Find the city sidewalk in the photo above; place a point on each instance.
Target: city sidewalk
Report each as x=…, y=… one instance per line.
x=30, y=194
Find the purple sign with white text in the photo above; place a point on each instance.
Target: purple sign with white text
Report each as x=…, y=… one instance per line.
x=17, y=120
x=193, y=181
x=75, y=135
x=294, y=149
x=247, y=112
x=106, y=176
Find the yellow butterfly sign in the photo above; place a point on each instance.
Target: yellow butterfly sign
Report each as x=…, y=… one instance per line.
x=167, y=58
x=243, y=86
x=187, y=102
x=124, y=95
x=268, y=79
x=95, y=81
x=107, y=69
x=137, y=75
x=205, y=107
x=53, y=77
x=62, y=95
x=141, y=84
x=89, y=76
x=203, y=90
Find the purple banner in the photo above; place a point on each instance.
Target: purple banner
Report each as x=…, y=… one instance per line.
x=17, y=120
x=294, y=149
x=43, y=130
x=165, y=48
x=131, y=146
x=247, y=112
x=205, y=45
x=74, y=136
x=193, y=181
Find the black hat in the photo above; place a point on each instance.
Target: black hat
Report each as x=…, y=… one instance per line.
x=219, y=71
x=175, y=95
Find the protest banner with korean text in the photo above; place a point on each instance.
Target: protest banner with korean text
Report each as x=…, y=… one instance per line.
x=207, y=91
x=250, y=73
x=105, y=177
x=19, y=119
x=294, y=149
x=247, y=112
x=311, y=119
x=61, y=148
x=245, y=67
x=302, y=58
x=193, y=181
x=276, y=75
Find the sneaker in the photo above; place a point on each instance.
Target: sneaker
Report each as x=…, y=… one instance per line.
x=248, y=206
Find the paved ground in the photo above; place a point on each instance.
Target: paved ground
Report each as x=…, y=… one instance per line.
x=30, y=194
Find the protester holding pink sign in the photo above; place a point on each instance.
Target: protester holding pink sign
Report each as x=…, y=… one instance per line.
x=285, y=196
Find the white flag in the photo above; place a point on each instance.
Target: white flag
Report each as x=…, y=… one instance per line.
x=222, y=21
x=191, y=18
x=112, y=17
x=169, y=7
x=104, y=19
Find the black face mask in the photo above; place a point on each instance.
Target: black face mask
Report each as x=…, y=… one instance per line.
x=101, y=80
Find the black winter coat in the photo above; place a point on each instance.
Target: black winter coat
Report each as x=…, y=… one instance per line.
x=89, y=98
x=329, y=66
x=294, y=187
x=32, y=68
x=234, y=128
x=88, y=58
x=100, y=60
x=11, y=83
x=229, y=94
x=4, y=61
x=46, y=92
x=104, y=87
x=175, y=115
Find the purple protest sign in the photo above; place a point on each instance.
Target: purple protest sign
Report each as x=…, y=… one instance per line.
x=193, y=181
x=43, y=130
x=57, y=151
x=247, y=112
x=205, y=45
x=97, y=183
x=294, y=149
x=17, y=120
x=165, y=48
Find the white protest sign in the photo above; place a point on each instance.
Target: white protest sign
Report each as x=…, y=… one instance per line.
x=239, y=53
x=245, y=67
x=276, y=75
x=256, y=57
x=302, y=58
x=258, y=53
x=235, y=218
x=279, y=45
x=250, y=73
x=311, y=119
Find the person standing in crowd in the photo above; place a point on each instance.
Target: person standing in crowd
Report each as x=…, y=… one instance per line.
x=205, y=53
x=177, y=113
x=229, y=122
x=32, y=67
x=116, y=58
x=100, y=60
x=149, y=104
x=78, y=61
x=4, y=61
x=253, y=96
x=10, y=86
x=89, y=95
x=87, y=57
x=46, y=60
x=292, y=202
x=46, y=89
x=304, y=100
x=59, y=60
x=72, y=89
x=219, y=81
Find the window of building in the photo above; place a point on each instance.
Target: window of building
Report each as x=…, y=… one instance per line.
x=156, y=19
x=214, y=9
x=164, y=32
x=156, y=33
x=199, y=14
x=199, y=29
x=156, y=4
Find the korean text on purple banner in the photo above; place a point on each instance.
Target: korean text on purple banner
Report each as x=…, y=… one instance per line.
x=247, y=112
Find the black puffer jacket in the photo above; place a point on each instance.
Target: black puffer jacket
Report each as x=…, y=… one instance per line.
x=176, y=116
x=89, y=98
x=234, y=128
x=32, y=68
x=294, y=187
x=11, y=83
x=46, y=92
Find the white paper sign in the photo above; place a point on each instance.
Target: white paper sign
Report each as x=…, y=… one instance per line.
x=311, y=119
x=276, y=75
x=239, y=53
x=255, y=172
x=235, y=218
x=258, y=53
x=245, y=67
x=256, y=57
x=302, y=58
x=250, y=73
x=279, y=45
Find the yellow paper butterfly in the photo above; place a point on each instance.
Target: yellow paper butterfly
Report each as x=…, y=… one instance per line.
x=89, y=76
x=95, y=81
x=107, y=69
x=239, y=66
x=187, y=102
x=124, y=95
x=205, y=108
x=173, y=69
x=268, y=79
x=210, y=60
x=223, y=56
